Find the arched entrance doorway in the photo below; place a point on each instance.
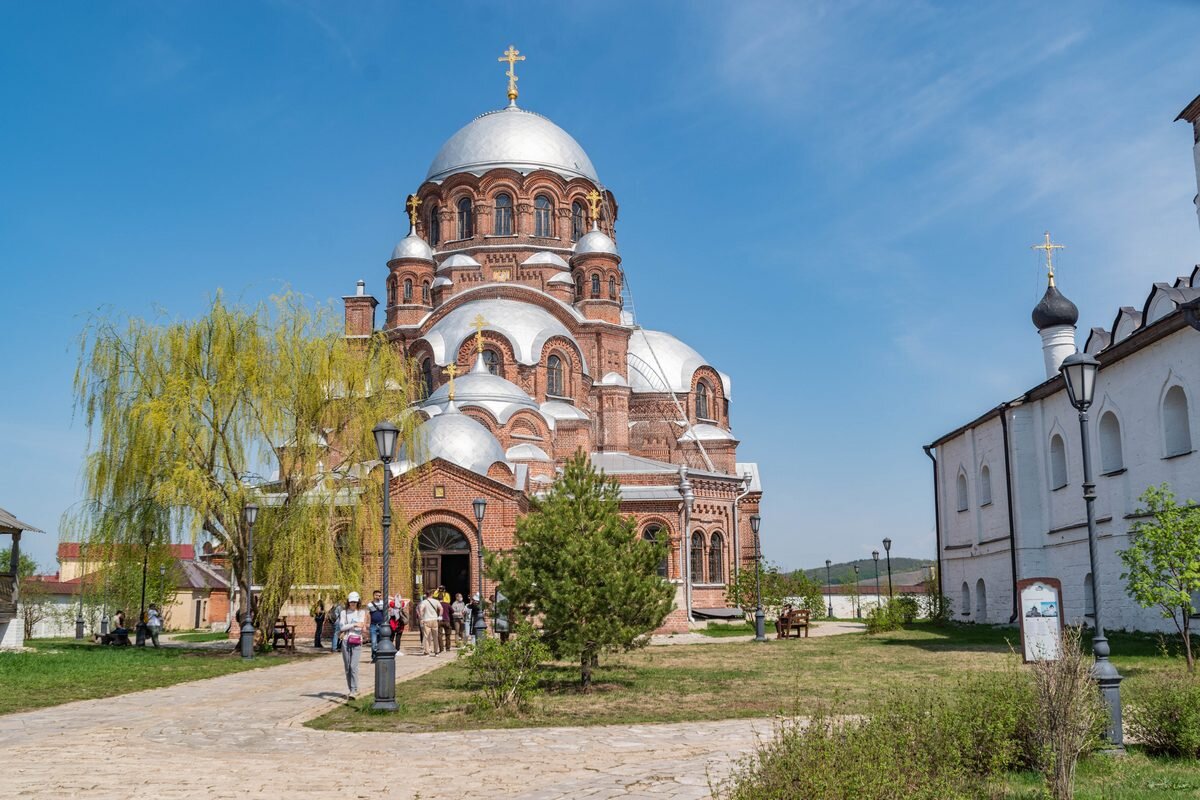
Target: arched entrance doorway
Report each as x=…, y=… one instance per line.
x=445, y=556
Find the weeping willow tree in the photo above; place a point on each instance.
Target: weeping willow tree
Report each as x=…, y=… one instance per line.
x=269, y=405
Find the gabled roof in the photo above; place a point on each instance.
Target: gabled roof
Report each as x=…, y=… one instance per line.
x=70, y=550
x=10, y=523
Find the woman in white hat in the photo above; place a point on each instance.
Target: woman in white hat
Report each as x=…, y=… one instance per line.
x=351, y=624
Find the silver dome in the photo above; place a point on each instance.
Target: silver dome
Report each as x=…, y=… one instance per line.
x=480, y=388
x=650, y=349
x=413, y=246
x=459, y=260
x=526, y=326
x=705, y=432
x=515, y=139
x=454, y=437
x=595, y=241
x=545, y=257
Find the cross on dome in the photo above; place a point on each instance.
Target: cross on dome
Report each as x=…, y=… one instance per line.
x=479, y=323
x=593, y=198
x=512, y=56
x=452, y=370
x=411, y=205
x=1049, y=247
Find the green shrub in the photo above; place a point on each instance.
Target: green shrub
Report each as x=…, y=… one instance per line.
x=925, y=744
x=505, y=675
x=1163, y=712
x=935, y=606
x=906, y=608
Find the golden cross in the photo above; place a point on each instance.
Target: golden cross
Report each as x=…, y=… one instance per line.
x=479, y=323
x=1049, y=247
x=452, y=370
x=593, y=199
x=413, y=202
x=512, y=56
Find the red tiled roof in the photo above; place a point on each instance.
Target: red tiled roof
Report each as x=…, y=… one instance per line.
x=70, y=550
x=53, y=585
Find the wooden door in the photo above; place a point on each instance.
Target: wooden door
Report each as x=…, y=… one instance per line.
x=431, y=572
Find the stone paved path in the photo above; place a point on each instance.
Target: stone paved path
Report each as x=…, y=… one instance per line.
x=241, y=735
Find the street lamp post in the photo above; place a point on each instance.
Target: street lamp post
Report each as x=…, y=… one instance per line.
x=887, y=547
x=249, y=514
x=479, y=622
x=386, y=435
x=79, y=617
x=828, y=589
x=1079, y=374
x=875, y=555
x=857, y=596
x=760, y=634
x=142, y=628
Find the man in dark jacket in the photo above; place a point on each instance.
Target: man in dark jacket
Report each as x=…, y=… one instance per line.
x=379, y=627
x=444, y=626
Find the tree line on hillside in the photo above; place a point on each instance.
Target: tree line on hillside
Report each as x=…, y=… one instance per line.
x=843, y=571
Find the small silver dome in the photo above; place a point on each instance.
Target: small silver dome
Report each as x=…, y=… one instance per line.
x=413, y=246
x=595, y=241
x=515, y=139
x=547, y=258
x=500, y=397
x=458, y=261
x=455, y=437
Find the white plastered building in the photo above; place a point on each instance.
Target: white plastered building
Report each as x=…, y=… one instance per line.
x=1008, y=484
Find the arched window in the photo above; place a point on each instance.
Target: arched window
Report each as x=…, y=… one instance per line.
x=612, y=288
x=391, y=290
x=543, y=216
x=966, y=600
x=408, y=290
x=578, y=287
x=716, y=559
x=702, y=400
x=1176, y=428
x=1089, y=605
x=980, y=601
x=491, y=360
x=595, y=284
x=425, y=292
x=1058, y=462
x=961, y=486
x=465, y=229
x=651, y=535
x=985, y=486
x=1111, y=458
x=434, y=228
x=697, y=557
x=554, y=376
x=427, y=377
x=578, y=220
x=504, y=216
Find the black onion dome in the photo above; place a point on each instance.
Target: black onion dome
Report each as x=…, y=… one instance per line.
x=1055, y=309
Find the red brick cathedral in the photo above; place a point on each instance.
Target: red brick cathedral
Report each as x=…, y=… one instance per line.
x=508, y=293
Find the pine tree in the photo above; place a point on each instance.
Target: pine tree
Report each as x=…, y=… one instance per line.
x=580, y=567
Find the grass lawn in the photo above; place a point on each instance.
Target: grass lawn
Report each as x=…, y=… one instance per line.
x=201, y=636
x=1134, y=776
x=727, y=680
x=62, y=670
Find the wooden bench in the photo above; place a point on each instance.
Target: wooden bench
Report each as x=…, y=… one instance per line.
x=795, y=620
x=285, y=633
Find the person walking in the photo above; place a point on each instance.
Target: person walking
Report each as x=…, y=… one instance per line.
x=500, y=617
x=444, y=624
x=335, y=639
x=319, y=618
x=430, y=612
x=154, y=623
x=458, y=613
x=351, y=628
x=398, y=621
x=378, y=612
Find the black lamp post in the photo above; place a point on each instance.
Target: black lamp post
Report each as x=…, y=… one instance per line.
x=828, y=589
x=887, y=547
x=142, y=628
x=857, y=596
x=249, y=514
x=79, y=617
x=479, y=623
x=760, y=633
x=386, y=435
x=1079, y=374
x=875, y=555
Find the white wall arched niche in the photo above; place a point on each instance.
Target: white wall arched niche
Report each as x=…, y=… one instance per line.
x=1176, y=420
x=961, y=499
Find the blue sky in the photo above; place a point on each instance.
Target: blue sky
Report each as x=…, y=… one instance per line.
x=833, y=203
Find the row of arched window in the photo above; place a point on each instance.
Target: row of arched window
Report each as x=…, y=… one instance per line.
x=503, y=220
x=407, y=294
x=1177, y=441
x=597, y=287
x=707, y=555
x=556, y=372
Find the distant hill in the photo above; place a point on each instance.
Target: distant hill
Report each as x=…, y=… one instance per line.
x=843, y=572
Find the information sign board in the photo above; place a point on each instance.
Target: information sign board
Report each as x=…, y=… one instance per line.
x=1041, y=618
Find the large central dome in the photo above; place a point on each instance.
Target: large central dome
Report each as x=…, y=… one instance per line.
x=512, y=138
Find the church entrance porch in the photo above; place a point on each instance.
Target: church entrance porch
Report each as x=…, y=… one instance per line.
x=445, y=558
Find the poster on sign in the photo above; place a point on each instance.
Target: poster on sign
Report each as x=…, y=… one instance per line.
x=1041, y=618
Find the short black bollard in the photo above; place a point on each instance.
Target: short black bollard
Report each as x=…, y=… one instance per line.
x=385, y=675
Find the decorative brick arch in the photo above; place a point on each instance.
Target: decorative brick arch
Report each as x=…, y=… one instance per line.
x=528, y=423
x=492, y=340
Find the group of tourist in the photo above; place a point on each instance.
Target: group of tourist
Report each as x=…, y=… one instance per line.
x=119, y=634
x=441, y=622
